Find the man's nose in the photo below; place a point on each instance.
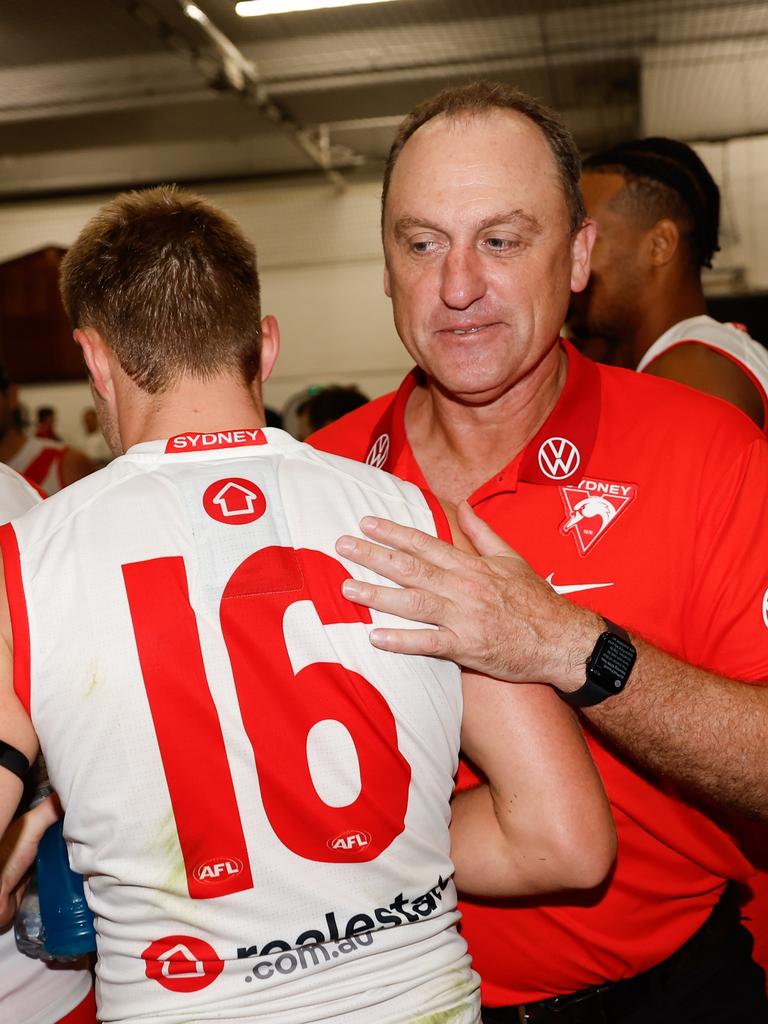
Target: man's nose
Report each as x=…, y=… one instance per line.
x=463, y=278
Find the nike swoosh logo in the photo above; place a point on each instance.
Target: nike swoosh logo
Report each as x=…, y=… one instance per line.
x=574, y=588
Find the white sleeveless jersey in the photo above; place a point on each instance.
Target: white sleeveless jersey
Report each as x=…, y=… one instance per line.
x=258, y=798
x=40, y=460
x=727, y=339
x=31, y=992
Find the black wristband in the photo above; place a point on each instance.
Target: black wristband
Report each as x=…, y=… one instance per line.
x=13, y=760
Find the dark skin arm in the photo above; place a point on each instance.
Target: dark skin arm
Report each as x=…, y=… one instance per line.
x=702, y=368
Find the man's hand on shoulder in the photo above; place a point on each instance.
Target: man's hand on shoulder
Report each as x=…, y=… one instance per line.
x=493, y=612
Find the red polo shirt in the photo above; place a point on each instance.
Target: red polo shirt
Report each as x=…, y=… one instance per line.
x=645, y=501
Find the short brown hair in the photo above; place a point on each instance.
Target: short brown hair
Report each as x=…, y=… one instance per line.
x=170, y=283
x=481, y=97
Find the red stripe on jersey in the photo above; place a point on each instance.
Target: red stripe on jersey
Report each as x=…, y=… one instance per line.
x=83, y=1013
x=17, y=604
x=194, y=756
x=38, y=468
x=442, y=525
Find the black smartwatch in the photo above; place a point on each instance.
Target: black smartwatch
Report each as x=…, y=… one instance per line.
x=608, y=668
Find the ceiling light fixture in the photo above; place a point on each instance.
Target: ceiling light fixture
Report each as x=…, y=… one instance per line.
x=254, y=8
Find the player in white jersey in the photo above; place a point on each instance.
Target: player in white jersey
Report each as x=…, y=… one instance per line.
x=32, y=992
x=657, y=211
x=49, y=465
x=730, y=341
x=257, y=798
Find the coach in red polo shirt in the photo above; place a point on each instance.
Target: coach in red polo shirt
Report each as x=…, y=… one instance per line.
x=640, y=501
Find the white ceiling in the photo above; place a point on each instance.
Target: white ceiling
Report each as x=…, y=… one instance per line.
x=99, y=94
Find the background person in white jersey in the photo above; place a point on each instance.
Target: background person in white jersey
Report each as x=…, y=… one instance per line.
x=257, y=798
x=32, y=992
x=49, y=465
x=657, y=211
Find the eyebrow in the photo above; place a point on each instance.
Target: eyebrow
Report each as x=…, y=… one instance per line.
x=526, y=220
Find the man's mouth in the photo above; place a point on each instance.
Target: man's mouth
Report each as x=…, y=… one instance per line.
x=465, y=330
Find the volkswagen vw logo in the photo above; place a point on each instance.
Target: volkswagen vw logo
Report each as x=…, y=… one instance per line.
x=379, y=452
x=558, y=458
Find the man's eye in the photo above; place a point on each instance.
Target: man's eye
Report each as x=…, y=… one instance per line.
x=502, y=244
x=423, y=245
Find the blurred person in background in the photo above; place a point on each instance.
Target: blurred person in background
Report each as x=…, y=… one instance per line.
x=657, y=211
x=94, y=444
x=327, y=405
x=46, y=423
x=49, y=465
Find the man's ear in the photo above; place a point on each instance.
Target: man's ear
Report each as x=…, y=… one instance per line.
x=581, y=253
x=270, y=345
x=96, y=355
x=387, y=285
x=664, y=242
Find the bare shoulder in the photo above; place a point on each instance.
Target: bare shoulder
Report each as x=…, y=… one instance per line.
x=701, y=367
x=75, y=465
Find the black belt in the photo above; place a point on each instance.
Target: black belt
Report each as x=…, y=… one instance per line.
x=617, y=999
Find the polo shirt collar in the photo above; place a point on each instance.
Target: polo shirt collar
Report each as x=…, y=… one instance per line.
x=560, y=450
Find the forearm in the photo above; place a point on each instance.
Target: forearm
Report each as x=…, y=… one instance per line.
x=494, y=855
x=702, y=732
x=542, y=822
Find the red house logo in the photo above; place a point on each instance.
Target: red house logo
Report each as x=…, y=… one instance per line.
x=234, y=501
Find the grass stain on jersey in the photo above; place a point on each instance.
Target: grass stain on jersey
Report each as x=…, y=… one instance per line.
x=456, y=1015
x=95, y=680
x=168, y=844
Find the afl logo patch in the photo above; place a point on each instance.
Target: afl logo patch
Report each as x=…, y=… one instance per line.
x=765, y=609
x=379, y=452
x=216, y=868
x=558, y=458
x=351, y=840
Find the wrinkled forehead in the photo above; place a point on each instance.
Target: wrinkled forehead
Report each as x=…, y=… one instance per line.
x=453, y=161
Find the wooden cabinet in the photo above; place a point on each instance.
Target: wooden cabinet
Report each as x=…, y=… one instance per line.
x=36, y=344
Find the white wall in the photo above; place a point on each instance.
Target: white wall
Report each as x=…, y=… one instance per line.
x=321, y=271
x=740, y=167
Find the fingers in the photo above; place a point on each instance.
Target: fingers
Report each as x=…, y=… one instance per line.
x=411, y=541
x=429, y=643
x=416, y=605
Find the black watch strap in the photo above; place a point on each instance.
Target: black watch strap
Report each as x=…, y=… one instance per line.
x=608, y=668
x=13, y=760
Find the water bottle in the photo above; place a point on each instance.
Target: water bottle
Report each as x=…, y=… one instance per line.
x=67, y=921
x=53, y=921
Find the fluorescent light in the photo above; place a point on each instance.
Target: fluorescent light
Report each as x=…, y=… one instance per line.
x=194, y=12
x=253, y=8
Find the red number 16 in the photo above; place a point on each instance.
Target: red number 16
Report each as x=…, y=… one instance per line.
x=278, y=711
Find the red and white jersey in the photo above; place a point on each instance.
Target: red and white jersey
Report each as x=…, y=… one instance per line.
x=257, y=797
x=729, y=340
x=30, y=991
x=40, y=461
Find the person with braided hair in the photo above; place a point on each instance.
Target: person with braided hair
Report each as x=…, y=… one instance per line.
x=657, y=211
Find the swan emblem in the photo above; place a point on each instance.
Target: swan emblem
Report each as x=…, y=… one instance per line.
x=589, y=508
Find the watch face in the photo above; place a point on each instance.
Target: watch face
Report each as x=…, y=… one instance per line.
x=611, y=662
